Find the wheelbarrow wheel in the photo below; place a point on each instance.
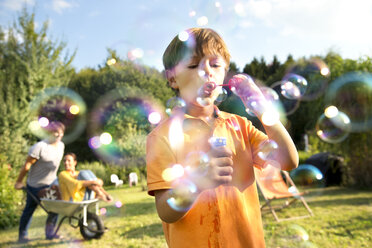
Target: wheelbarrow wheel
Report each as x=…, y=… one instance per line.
x=95, y=228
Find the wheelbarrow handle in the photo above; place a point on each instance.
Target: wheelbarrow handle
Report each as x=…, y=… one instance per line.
x=25, y=189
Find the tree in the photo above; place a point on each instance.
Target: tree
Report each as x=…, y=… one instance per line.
x=29, y=63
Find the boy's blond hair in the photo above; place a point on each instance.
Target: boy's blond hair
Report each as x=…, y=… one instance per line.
x=201, y=42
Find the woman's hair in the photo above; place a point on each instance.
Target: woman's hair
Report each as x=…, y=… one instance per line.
x=199, y=42
x=73, y=155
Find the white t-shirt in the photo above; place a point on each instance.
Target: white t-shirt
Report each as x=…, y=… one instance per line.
x=49, y=157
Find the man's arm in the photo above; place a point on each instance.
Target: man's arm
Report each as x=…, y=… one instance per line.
x=25, y=168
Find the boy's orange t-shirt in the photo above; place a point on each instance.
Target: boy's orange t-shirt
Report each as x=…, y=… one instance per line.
x=227, y=216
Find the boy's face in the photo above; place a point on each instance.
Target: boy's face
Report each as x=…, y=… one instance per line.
x=189, y=77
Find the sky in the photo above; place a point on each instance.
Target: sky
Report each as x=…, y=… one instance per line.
x=141, y=30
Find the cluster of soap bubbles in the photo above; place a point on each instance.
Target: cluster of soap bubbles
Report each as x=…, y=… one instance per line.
x=117, y=122
x=349, y=107
x=266, y=103
x=112, y=210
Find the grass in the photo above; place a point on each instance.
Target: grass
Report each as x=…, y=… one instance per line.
x=343, y=218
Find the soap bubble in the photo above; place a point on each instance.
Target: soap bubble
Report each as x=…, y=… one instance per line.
x=58, y=104
x=288, y=106
x=307, y=176
x=268, y=150
x=333, y=126
x=119, y=124
x=352, y=95
x=291, y=235
x=293, y=86
x=175, y=105
x=182, y=195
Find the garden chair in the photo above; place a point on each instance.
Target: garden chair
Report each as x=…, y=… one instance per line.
x=273, y=187
x=115, y=180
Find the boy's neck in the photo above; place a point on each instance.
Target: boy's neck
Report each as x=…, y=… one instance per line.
x=200, y=111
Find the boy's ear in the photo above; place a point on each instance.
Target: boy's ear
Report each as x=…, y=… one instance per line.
x=171, y=77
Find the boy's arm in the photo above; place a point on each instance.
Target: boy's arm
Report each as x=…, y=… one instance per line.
x=287, y=155
x=287, y=152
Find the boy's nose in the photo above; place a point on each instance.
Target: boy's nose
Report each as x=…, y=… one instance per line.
x=206, y=71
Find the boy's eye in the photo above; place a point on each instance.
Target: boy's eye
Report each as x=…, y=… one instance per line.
x=193, y=66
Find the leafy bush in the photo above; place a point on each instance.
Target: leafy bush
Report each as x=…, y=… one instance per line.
x=10, y=198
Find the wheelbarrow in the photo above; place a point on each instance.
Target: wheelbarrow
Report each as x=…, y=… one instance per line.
x=90, y=224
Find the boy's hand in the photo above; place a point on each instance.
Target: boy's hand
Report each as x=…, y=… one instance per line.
x=244, y=86
x=219, y=171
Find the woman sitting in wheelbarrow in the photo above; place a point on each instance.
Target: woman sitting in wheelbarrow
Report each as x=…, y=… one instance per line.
x=79, y=186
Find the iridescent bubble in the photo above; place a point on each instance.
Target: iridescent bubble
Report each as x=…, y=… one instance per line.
x=352, y=95
x=105, y=138
x=103, y=211
x=94, y=142
x=268, y=150
x=183, y=36
x=270, y=94
x=173, y=173
x=43, y=121
x=221, y=96
x=118, y=204
x=135, y=54
x=293, y=86
x=333, y=127
x=58, y=104
x=202, y=21
x=119, y=123
x=288, y=106
x=175, y=105
x=182, y=195
x=316, y=73
x=307, y=176
x=192, y=13
x=154, y=117
x=331, y=111
x=197, y=160
x=291, y=235
x=274, y=108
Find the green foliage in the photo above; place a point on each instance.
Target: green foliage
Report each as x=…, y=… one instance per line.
x=10, y=198
x=29, y=62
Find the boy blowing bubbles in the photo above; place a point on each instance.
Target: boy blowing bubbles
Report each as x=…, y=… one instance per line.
x=225, y=210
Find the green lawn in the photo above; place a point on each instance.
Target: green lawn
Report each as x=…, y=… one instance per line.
x=343, y=218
